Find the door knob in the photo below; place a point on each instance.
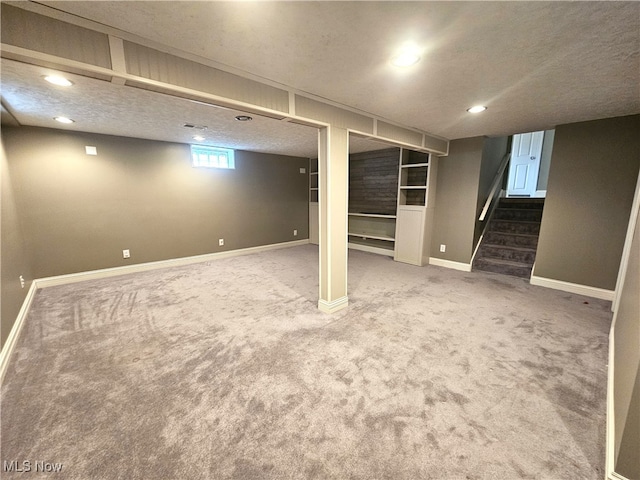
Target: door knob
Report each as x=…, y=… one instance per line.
x=533, y=158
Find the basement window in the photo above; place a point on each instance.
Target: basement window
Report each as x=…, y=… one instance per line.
x=212, y=157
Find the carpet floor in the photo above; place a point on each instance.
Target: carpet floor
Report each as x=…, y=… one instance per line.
x=227, y=370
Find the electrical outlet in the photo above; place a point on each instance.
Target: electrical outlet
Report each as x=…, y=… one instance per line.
x=21, y=281
x=295, y=233
x=443, y=248
x=303, y=170
x=126, y=253
x=221, y=242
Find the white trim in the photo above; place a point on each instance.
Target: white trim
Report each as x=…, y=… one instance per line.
x=616, y=476
x=464, y=267
x=626, y=251
x=475, y=251
x=118, y=60
x=539, y=194
x=12, y=339
x=576, y=288
x=370, y=249
x=143, y=267
x=610, y=442
x=334, y=305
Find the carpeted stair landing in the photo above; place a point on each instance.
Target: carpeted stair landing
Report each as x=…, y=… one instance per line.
x=510, y=242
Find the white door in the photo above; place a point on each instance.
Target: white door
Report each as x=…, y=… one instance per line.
x=525, y=164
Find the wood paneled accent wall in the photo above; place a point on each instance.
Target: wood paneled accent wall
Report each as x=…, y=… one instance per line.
x=373, y=181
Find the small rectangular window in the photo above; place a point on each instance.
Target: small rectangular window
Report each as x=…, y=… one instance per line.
x=212, y=157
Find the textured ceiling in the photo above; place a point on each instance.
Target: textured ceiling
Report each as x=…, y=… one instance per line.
x=534, y=64
x=102, y=107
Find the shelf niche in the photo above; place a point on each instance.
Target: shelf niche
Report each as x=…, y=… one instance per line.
x=373, y=200
x=314, y=213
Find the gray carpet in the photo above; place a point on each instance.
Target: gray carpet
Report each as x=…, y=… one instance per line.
x=227, y=370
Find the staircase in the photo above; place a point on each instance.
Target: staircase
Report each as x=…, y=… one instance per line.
x=510, y=241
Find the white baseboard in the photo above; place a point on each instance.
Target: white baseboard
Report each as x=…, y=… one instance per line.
x=12, y=339
x=370, y=249
x=616, y=476
x=333, y=306
x=576, y=288
x=143, y=267
x=464, y=267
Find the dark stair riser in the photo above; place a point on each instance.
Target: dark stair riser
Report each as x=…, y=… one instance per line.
x=487, y=265
x=517, y=214
x=521, y=255
x=515, y=240
x=507, y=226
x=525, y=203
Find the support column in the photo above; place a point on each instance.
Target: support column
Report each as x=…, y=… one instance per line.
x=333, y=187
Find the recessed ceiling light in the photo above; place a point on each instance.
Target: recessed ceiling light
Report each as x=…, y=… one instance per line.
x=405, y=58
x=244, y=118
x=477, y=109
x=58, y=80
x=198, y=138
x=63, y=120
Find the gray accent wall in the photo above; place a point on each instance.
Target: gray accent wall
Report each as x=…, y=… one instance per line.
x=80, y=211
x=14, y=261
x=457, y=199
x=589, y=195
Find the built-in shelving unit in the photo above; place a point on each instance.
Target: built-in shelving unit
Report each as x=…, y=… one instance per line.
x=391, y=200
x=414, y=175
x=416, y=197
x=372, y=232
x=314, y=218
x=313, y=180
x=373, y=180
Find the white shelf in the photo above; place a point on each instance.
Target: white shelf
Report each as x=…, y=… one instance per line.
x=313, y=188
x=413, y=187
x=313, y=173
x=372, y=237
x=371, y=249
x=409, y=165
x=372, y=215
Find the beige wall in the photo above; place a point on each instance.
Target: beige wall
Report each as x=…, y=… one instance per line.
x=590, y=190
x=13, y=259
x=627, y=366
x=79, y=211
x=456, y=200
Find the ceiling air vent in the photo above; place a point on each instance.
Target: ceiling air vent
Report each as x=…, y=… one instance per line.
x=195, y=127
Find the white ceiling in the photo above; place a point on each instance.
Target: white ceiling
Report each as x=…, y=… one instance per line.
x=534, y=64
